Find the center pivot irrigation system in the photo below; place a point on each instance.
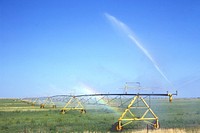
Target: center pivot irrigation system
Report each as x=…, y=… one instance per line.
x=135, y=106
x=137, y=110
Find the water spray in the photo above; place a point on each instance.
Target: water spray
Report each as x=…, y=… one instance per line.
x=125, y=29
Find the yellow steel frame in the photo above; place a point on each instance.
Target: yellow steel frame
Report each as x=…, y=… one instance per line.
x=128, y=115
x=73, y=104
x=49, y=102
x=33, y=103
x=170, y=97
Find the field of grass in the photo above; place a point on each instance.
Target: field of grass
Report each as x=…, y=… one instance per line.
x=183, y=115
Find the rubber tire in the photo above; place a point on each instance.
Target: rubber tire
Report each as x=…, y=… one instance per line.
x=83, y=111
x=115, y=128
x=153, y=128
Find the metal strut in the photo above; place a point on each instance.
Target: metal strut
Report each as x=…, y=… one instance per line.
x=48, y=101
x=73, y=104
x=130, y=114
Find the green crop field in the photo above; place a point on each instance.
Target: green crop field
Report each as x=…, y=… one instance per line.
x=18, y=116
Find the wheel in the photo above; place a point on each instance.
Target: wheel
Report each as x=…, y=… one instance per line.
x=62, y=111
x=156, y=125
x=41, y=106
x=116, y=127
x=83, y=111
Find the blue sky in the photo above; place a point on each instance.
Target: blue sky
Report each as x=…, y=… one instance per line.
x=50, y=47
